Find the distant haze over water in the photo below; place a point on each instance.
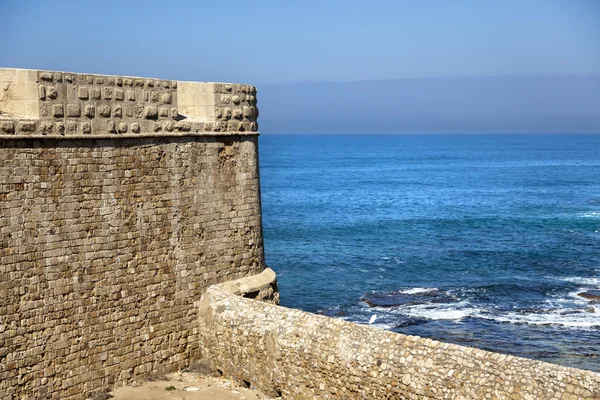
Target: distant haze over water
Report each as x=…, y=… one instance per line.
x=544, y=104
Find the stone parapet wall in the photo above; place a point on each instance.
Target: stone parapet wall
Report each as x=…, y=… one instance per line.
x=50, y=103
x=301, y=355
x=108, y=238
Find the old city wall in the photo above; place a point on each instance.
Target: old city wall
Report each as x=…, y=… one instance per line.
x=121, y=200
x=300, y=355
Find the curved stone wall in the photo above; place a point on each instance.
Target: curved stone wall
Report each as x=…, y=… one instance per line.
x=303, y=356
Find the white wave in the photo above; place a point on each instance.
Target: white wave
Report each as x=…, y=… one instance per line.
x=571, y=299
x=592, y=281
x=578, y=320
x=454, y=311
x=591, y=214
x=418, y=290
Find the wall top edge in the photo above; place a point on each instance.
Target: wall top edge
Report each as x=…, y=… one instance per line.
x=7, y=138
x=35, y=71
x=52, y=103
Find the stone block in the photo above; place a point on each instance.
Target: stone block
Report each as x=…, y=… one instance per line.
x=7, y=126
x=46, y=127
x=150, y=112
x=135, y=127
x=169, y=126
x=73, y=110
x=104, y=110
x=83, y=93
x=117, y=111
x=46, y=76
x=122, y=127
x=183, y=126
x=58, y=110
x=108, y=93
x=60, y=127
x=138, y=110
x=131, y=95
x=227, y=113
x=127, y=82
x=86, y=127
x=89, y=110
x=119, y=94
x=51, y=93
x=166, y=98
x=42, y=92
x=27, y=126
x=71, y=127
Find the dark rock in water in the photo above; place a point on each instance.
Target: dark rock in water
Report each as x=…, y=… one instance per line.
x=590, y=294
x=333, y=313
x=395, y=299
x=411, y=321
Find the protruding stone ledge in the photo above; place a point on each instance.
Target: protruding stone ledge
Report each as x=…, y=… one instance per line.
x=259, y=287
x=129, y=136
x=54, y=104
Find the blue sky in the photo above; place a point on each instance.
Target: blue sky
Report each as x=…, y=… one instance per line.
x=264, y=42
x=441, y=65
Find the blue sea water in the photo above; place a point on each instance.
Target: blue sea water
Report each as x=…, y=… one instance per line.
x=479, y=240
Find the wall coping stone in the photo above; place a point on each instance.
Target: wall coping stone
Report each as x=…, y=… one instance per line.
x=42, y=104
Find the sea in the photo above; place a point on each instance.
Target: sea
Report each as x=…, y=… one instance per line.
x=479, y=240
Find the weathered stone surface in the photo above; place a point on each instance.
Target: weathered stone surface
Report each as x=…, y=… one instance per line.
x=105, y=244
x=301, y=355
x=53, y=96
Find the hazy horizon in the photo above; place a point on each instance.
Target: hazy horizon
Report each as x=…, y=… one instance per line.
x=547, y=104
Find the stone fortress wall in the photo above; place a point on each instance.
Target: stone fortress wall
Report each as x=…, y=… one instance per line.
x=121, y=200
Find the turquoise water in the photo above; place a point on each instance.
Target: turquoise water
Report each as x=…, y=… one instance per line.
x=480, y=240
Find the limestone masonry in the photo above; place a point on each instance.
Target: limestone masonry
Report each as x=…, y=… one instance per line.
x=121, y=200
x=131, y=244
x=34, y=103
x=303, y=356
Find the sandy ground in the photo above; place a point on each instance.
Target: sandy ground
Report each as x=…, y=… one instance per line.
x=187, y=386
